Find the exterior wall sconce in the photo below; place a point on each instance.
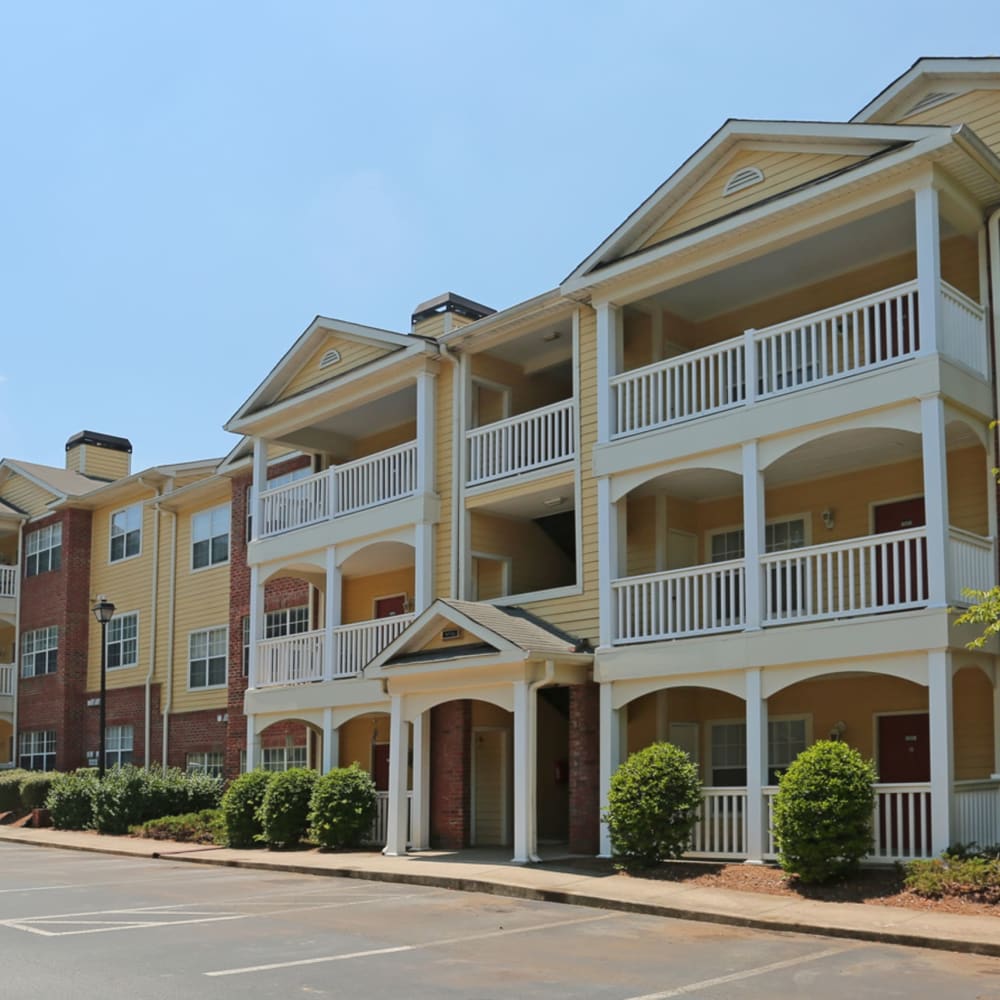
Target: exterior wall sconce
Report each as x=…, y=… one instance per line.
x=827, y=516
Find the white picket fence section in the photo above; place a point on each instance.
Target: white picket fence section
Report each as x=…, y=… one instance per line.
x=963, y=326
x=901, y=825
x=977, y=812
x=7, y=675
x=721, y=829
x=291, y=659
x=532, y=440
x=342, y=489
x=356, y=645
x=691, y=601
x=8, y=581
x=380, y=825
x=971, y=563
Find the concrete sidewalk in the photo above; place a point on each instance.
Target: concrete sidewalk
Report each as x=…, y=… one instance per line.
x=562, y=882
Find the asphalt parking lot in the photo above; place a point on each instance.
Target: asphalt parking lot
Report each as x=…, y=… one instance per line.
x=94, y=926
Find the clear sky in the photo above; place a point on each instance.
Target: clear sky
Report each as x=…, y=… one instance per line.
x=186, y=185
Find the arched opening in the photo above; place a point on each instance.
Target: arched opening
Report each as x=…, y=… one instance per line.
x=6, y=741
x=288, y=743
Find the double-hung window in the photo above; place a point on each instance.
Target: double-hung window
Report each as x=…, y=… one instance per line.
x=38, y=750
x=209, y=762
x=126, y=533
x=210, y=537
x=39, y=651
x=282, y=758
x=287, y=621
x=786, y=739
x=43, y=550
x=118, y=745
x=207, y=658
x=123, y=640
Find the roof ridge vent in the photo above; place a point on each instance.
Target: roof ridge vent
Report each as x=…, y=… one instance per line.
x=744, y=178
x=930, y=100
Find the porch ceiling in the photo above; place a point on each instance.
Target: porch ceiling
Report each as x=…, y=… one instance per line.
x=549, y=345
x=533, y=504
x=381, y=557
x=373, y=417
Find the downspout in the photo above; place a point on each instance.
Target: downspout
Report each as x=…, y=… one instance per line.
x=154, y=601
x=550, y=673
x=171, y=600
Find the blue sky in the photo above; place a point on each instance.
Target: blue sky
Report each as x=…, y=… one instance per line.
x=186, y=185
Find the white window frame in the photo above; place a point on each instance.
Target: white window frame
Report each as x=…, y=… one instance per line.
x=204, y=523
x=117, y=623
x=805, y=518
x=208, y=657
x=126, y=531
x=284, y=758
x=119, y=741
x=245, y=629
x=211, y=762
x=41, y=542
x=39, y=642
x=278, y=623
x=37, y=744
x=506, y=575
x=712, y=724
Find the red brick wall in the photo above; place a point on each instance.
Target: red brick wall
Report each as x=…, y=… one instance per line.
x=584, y=774
x=126, y=707
x=195, y=732
x=451, y=770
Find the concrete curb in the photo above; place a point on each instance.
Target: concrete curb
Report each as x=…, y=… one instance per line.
x=202, y=856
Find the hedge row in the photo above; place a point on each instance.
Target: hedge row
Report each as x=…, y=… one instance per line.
x=21, y=791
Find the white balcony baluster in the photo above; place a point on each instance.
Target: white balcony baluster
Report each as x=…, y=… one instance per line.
x=721, y=829
x=901, y=824
x=7, y=676
x=291, y=659
x=971, y=563
x=376, y=479
x=8, y=581
x=360, y=643
x=963, y=324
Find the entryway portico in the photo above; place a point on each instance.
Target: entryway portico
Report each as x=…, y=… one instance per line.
x=466, y=671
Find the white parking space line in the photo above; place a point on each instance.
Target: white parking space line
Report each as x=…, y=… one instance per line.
x=440, y=943
x=733, y=977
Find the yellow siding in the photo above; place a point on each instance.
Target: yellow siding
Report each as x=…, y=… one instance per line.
x=25, y=495
x=488, y=574
x=75, y=459
x=979, y=109
x=8, y=549
x=528, y=392
x=384, y=440
x=443, y=478
x=359, y=593
x=433, y=326
x=536, y=562
x=103, y=463
x=353, y=354
x=782, y=171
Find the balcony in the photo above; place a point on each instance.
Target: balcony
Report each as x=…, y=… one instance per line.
x=860, y=576
x=340, y=490
x=826, y=346
x=523, y=443
x=8, y=680
x=300, y=659
x=8, y=582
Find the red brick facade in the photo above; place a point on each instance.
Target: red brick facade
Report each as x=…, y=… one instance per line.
x=126, y=707
x=451, y=773
x=584, y=768
x=195, y=732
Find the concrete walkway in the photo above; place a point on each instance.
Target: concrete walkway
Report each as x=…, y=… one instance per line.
x=564, y=882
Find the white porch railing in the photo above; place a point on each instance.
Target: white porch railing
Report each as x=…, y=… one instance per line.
x=291, y=659
x=355, y=645
x=901, y=825
x=963, y=330
x=7, y=675
x=8, y=581
x=691, y=601
x=971, y=563
x=856, y=577
x=341, y=489
x=380, y=825
x=721, y=830
x=977, y=812
x=532, y=440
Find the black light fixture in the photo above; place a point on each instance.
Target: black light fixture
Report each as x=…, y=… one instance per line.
x=103, y=612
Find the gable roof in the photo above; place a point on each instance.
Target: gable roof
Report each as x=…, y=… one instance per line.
x=60, y=482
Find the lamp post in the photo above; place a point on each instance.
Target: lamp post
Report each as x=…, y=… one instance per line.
x=103, y=610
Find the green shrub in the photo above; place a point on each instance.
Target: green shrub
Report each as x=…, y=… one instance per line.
x=203, y=827
x=284, y=813
x=71, y=800
x=241, y=808
x=342, y=807
x=172, y=792
x=35, y=789
x=10, y=789
x=823, y=812
x=121, y=799
x=973, y=875
x=652, y=806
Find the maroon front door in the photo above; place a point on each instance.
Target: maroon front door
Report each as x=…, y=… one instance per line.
x=895, y=584
x=380, y=766
x=386, y=607
x=904, y=757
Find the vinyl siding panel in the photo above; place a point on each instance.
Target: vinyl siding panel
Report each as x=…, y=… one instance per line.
x=353, y=354
x=446, y=387
x=536, y=562
x=384, y=440
x=105, y=463
x=979, y=109
x=26, y=496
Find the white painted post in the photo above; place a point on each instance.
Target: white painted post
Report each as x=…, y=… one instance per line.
x=611, y=738
x=420, y=800
x=331, y=742
x=252, y=742
x=256, y=625
x=425, y=432
x=928, y=233
x=750, y=366
x=942, y=746
x=522, y=779
x=996, y=723
x=423, y=574
x=607, y=355
x=395, y=841
x=608, y=539
x=259, y=485
x=756, y=711
x=753, y=536
x=935, y=458
x=331, y=613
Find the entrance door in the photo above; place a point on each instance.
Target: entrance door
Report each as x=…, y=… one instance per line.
x=894, y=584
x=904, y=757
x=386, y=607
x=489, y=787
x=380, y=766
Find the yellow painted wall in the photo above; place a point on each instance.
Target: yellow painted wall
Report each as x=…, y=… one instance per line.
x=8, y=549
x=359, y=593
x=6, y=642
x=6, y=741
x=102, y=463
x=782, y=171
x=528, y=392
x=357, y=736
x=486, y=714
x=443, y=477
x=435, y=641
x=488, y=574
x=536, y=562
x=353, y=354
x=25, y=495
x=373, y=443
x=979, y=109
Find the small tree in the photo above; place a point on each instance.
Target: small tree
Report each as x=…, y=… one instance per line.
x=284, y=813
x=823, y=812
x=342, y=807
x=653, y=806
x=241, y=808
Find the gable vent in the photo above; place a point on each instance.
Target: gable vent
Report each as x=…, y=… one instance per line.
x=929, y=100
x=744, y=178
x=330, y=358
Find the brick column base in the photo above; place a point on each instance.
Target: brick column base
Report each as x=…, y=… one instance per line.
x=451, y=772
x=584, y=776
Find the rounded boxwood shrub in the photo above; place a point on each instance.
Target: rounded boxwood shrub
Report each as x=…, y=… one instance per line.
x=35, y=789
x=653, y=806
x=823, y=812
x=241, y=808
x=71, y=800
x=122, y=799
x=342, y=807
x=10, y=789
x=284, y=813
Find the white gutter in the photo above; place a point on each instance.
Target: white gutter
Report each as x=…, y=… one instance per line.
x=170, y=634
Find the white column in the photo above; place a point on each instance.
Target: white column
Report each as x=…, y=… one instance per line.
x=425, y=432
x=256, y=625
x=928, y=233
x=942, y=746
x=996, y=723
x=608, y=352
x=259, y=483
x=756, y=710
x=750, y=374
x=753, y=535
x=420, y=800
x=523, y=806
x=423, y=570
x=252, y=743
x=331, y=613
x=612, y=734
x=935, y=456
x=609, y=532
x=331, y=742
x=395, y=841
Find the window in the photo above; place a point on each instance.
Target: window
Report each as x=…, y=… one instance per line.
x=282, y=758
x=43, y=550
x=39, y=651
x=209, y=762
x=779, y=536
x=210, y=537
x=126, y=533
x=786, y=739
x=288, y=621
x=246, y=645
x=38, y=750
x=123, y=640
x=118, y=745
x=207, y=658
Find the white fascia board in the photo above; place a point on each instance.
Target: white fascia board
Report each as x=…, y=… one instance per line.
x=497, y=325
x=934, y=140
